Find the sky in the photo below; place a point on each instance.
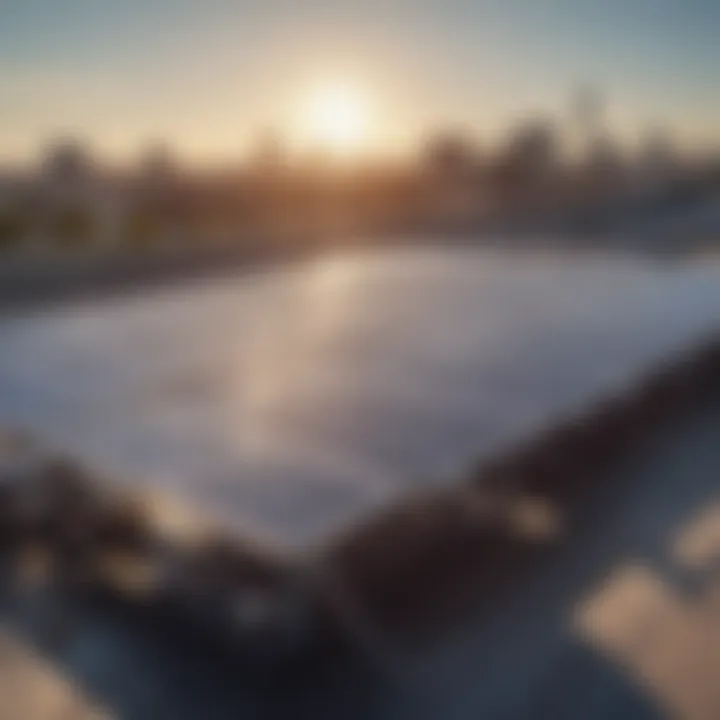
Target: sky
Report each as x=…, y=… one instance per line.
x=208, y=77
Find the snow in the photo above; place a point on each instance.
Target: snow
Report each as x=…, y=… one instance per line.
x=291, y=402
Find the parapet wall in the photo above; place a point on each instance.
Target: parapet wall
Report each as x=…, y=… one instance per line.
x=420, y=567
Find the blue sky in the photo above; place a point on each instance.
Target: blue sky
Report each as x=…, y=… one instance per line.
x=209, y=76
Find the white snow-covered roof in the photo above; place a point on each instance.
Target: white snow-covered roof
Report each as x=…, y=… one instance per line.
x=291, y=402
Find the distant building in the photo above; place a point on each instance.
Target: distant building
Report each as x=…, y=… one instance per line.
x=73, y=201
x=157, y=165
x=603, y=166
x=533, y=149
x=588, y=110
x=526, y=174
x=451, y=155
x=455, y=173
x=657, y=165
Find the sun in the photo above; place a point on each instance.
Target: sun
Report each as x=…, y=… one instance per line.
x=336, y=118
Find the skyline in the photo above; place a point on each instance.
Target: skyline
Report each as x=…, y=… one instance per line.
x=209, y=78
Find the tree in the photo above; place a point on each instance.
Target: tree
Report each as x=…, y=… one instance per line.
x=13, y=227
x=72, y=227
x=142, y=228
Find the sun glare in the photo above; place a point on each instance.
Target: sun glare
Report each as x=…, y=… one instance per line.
x=336, y=118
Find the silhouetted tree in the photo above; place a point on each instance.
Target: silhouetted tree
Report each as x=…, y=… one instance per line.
x=72, y=227
x=143, y=229
x=13, y=226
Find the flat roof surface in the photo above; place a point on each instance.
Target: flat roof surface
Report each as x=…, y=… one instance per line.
x=290, y=402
